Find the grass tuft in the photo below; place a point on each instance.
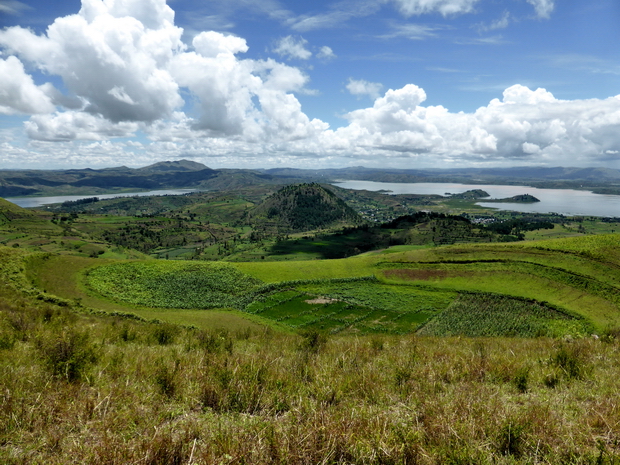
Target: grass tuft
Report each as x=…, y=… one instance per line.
x=68, y=355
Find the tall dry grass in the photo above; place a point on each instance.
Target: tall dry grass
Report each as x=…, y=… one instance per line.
x=84, y=389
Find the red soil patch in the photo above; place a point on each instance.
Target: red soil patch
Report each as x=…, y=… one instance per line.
x=419, y=275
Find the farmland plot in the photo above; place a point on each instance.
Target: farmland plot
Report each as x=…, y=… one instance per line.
x=174, y=284
x=475, y=315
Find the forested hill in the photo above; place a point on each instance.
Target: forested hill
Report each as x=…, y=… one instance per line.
x=305, y=207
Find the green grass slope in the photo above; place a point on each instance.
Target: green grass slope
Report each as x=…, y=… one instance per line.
x=579, y=275
x=9, y=212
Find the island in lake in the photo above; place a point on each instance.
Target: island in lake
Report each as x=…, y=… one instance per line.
x=477, y=194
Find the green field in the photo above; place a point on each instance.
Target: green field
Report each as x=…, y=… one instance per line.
x=475, y=315
x=353, y=307
x=173, y=284
x=571, y=285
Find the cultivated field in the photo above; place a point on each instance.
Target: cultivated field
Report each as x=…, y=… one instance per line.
x=556, y=287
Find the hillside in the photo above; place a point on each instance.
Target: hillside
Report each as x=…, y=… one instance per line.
x=524, y=198
x=180, y=174
x=511, y=175
x=9, y=211
x=418, y=229
x=304, y=207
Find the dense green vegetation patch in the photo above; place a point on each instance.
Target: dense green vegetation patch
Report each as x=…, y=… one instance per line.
x=174, y=284
x=363, y=306
x=421, y=228
x=475, y=315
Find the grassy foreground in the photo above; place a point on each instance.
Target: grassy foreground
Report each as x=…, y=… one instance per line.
x=79, y=387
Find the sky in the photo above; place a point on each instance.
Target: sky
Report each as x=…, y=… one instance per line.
x=309, y=84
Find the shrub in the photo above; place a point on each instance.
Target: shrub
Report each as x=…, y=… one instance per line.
x=520, y=379
x=212, y=342
x=7, y=339
x=127, y=333
x=68, y=355
x=165, y=378
x=209, y=341
x=8, y=335
x=164, y=333
x=312, y=341
x=570, y=361
x=511, y=438
x=377, y=344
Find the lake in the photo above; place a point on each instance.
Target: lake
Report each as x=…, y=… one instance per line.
x=568, y=202
x=32, y=202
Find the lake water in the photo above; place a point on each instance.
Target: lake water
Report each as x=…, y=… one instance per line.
x=31, y=202
x=563, y=201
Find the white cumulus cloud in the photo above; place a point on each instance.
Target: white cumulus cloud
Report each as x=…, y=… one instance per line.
x=18, y=92
x=326, y=53
x=293, y=47
x=126, y=69
x=211, y=44
x=127, y=72
x=526, y=126
x=106, y=47
x=72, y=125
x=361, y=87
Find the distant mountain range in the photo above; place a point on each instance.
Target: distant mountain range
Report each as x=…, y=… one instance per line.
x=191, y=175
x=470, y=174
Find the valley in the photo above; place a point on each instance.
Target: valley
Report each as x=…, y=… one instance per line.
x=266, y=314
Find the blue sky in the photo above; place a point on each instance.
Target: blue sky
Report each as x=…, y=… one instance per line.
x=266, y=83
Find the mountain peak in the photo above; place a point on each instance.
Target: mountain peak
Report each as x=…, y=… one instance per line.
x=177, y=165
x=304, y=207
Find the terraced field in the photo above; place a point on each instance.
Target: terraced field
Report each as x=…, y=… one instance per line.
x=581, y=276
x=555, y=287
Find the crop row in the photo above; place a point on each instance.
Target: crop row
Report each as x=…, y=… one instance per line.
x=263, y=304
x=385, y=296
x=353, y=304
x=494, y=315
x=338, y=316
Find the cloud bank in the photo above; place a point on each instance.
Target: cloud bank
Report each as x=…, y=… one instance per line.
x=134, y=91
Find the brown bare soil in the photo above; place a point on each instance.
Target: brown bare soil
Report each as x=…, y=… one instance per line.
x=419, y=275
x=320, y=300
